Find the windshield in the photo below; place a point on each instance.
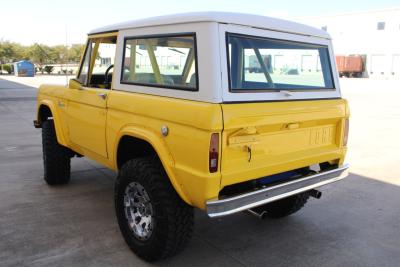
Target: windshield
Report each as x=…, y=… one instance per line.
x=257, y=64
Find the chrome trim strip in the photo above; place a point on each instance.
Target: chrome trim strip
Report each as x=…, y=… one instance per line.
x=223, y=207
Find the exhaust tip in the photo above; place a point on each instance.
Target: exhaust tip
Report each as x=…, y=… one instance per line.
x=315, y=193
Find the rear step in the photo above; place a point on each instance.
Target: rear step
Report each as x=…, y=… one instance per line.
x=247, y=201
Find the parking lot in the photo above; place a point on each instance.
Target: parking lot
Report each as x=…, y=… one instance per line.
x=355, y=223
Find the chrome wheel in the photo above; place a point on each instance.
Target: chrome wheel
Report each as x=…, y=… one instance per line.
x=138, y=211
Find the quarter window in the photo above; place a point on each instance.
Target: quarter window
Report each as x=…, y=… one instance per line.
x=83, y=74
x=165, y=61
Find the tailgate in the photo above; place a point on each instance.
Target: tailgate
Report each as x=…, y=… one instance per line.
x=261, y=139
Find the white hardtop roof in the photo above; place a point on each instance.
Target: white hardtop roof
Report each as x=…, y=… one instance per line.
x=255, y=21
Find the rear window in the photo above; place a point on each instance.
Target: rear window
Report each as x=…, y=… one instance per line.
x=161, y=61
x=259, y=64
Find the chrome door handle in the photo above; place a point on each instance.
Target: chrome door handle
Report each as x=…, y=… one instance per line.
x=102, y=95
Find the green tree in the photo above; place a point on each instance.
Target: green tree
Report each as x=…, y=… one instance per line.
x=39, y=54
x=75, y=53
x=8, y=53
x=57, y=54
x=8, y=68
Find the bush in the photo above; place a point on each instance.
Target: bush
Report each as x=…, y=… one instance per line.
x=48, y=69
x=8, y=68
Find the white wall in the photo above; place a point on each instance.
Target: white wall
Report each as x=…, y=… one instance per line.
x=356, y=33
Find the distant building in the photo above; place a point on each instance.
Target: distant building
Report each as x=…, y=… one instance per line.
x=374, y=34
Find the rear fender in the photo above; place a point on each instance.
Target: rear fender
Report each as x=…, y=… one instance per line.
x=159, y=146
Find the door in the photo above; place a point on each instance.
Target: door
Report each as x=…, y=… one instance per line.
x=87, y=98
x=378, y=64
x=396, y=65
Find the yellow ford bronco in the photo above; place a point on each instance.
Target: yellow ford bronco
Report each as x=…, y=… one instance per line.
x=218, y=111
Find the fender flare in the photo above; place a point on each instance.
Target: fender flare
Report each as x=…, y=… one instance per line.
x=159, y=147
x=56, y=118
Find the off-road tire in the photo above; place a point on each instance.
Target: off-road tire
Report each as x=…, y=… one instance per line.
x=56, y=158
x=173, y=218
x=284, y=207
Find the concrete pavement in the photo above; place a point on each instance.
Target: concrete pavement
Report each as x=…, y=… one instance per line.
x=355, y=223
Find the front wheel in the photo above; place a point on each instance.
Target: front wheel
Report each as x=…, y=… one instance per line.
x=153, y=219
x=56, y=158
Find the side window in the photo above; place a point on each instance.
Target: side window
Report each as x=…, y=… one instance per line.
x=105, y=56
x=83, y=73
x=165, y=61
x=97, y=65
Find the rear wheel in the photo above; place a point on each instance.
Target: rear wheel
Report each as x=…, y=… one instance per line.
x=56, y=158
x=153, y=219
x=284, y=207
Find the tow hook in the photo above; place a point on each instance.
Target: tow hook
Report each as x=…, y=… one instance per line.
x=315, y=193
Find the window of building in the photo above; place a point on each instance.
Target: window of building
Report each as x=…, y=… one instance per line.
x=380, y=26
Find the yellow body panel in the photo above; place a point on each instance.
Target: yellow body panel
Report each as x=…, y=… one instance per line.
x=184, y=151
x=282, y=135
x=87, y=119
x=262, y=139
x=256, y=139
x=52, y=96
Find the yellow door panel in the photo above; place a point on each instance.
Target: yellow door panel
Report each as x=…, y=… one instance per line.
x=87, y=119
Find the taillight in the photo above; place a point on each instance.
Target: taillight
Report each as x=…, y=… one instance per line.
x=346, y=132
x=214, y=152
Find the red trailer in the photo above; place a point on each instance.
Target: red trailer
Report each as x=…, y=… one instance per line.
x=350, y=66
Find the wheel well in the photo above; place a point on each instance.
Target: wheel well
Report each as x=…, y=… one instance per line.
x=131, y=147
x=44, y=113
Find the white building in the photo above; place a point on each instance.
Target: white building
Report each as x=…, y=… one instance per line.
x=374, y=34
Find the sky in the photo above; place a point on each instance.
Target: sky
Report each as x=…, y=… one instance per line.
x=55, y=22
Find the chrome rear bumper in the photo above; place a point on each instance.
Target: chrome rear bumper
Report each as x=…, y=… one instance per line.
x=227, y=206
